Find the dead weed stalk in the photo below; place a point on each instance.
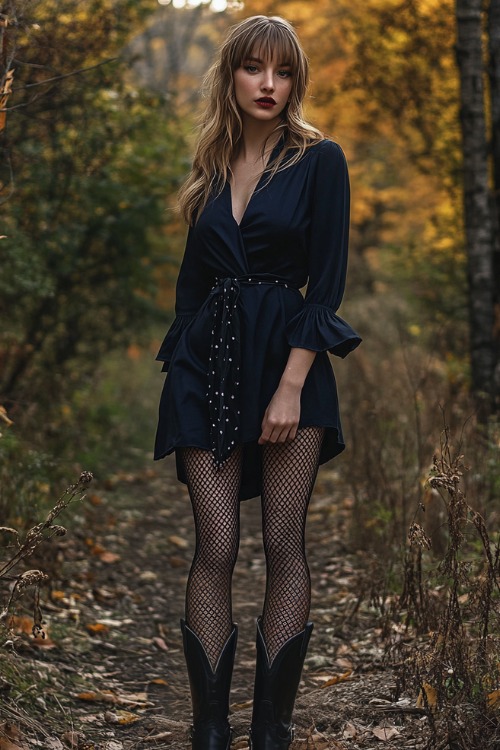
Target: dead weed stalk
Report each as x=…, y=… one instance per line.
x=36, y=536
x=454, y=605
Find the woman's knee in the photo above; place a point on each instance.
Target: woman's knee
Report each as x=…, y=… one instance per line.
x=285, y=552
x=217, y=557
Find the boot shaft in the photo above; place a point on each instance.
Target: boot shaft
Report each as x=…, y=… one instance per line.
x=209, y=687
x=275, y=690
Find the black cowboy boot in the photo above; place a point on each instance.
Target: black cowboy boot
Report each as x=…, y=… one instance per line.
x=275, y=690
x=209, y=691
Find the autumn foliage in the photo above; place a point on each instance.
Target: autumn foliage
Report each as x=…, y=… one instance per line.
x=98, y=109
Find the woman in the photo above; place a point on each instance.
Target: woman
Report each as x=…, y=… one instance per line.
x=250, y=403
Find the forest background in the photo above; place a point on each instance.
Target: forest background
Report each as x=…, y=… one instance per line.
x=98, y=112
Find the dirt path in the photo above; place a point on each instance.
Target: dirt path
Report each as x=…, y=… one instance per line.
x=111, y=675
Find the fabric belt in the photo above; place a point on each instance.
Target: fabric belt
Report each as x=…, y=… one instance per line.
x=225, y=361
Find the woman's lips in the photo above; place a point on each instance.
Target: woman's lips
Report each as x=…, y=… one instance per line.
x=266, y=102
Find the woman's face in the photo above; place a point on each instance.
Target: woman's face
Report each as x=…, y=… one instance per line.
x=262, y=87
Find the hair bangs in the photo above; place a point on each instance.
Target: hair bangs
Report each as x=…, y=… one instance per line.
x=268, y=39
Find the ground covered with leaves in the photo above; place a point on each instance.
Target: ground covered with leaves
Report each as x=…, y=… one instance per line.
x=109, y=672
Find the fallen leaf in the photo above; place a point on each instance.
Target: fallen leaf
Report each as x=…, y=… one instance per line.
x=350, y=731
x=24, y=624
x=3, y=411
x=91, y=695
x=338, y=678
x=109, y=557
x=427, y=697
x=158, y=681
x=56, y=594
x=385, y=733
x=112, y=623
x=97, y=627
x=108, y=696
x=148, y=575
x=179, y=541
x=343, y=664
x=240, y=706
x=160, y=643
x=121, y=717
x=493, y=699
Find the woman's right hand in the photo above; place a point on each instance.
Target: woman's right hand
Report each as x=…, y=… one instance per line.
x=281, y=418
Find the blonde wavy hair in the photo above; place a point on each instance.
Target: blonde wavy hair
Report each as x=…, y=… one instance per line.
x=221, y=125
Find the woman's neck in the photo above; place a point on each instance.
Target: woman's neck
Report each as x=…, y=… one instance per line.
x=257, y=138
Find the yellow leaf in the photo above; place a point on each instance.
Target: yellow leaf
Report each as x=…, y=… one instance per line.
x=121, y=717
x=241, y=706
x=3, y=411
x=90, y=695
x=337, y=679
x=107, y=696
x=26, y=625
x=97, y=627
x=4, y=95
x=427, y=697
x=494, y=699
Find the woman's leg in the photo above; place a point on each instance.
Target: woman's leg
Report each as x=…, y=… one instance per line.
x=215, y=501
x=283, y=632
x=289, y=473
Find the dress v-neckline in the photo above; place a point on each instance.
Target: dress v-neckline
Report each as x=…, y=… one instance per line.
x=243, y=215
x=279, y=144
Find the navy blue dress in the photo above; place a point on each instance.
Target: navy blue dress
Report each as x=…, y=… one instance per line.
x=239, y=311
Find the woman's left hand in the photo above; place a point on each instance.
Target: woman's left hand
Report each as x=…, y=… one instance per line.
x=281, y=418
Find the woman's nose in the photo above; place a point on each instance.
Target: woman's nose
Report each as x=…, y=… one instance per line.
x=268, y=81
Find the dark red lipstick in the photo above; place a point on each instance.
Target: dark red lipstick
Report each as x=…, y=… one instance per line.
x=266, y=101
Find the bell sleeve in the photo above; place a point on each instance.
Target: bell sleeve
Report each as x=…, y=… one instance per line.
x=192, y=288
x=317, y=326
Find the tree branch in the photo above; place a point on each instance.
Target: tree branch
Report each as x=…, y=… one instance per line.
x=65, y=75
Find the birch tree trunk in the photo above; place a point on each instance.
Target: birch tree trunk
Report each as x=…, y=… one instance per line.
x=477, y=203
x=494, y=79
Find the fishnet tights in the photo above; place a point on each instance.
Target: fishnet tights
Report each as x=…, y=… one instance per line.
x=289, y=472
x=216, y=510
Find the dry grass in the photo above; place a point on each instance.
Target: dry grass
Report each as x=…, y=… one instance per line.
x=23, y=549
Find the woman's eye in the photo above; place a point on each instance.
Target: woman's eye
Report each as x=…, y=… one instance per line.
x=284, y=73
x=250, y=68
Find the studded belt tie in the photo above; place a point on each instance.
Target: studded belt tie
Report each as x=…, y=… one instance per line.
x=224, y=363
